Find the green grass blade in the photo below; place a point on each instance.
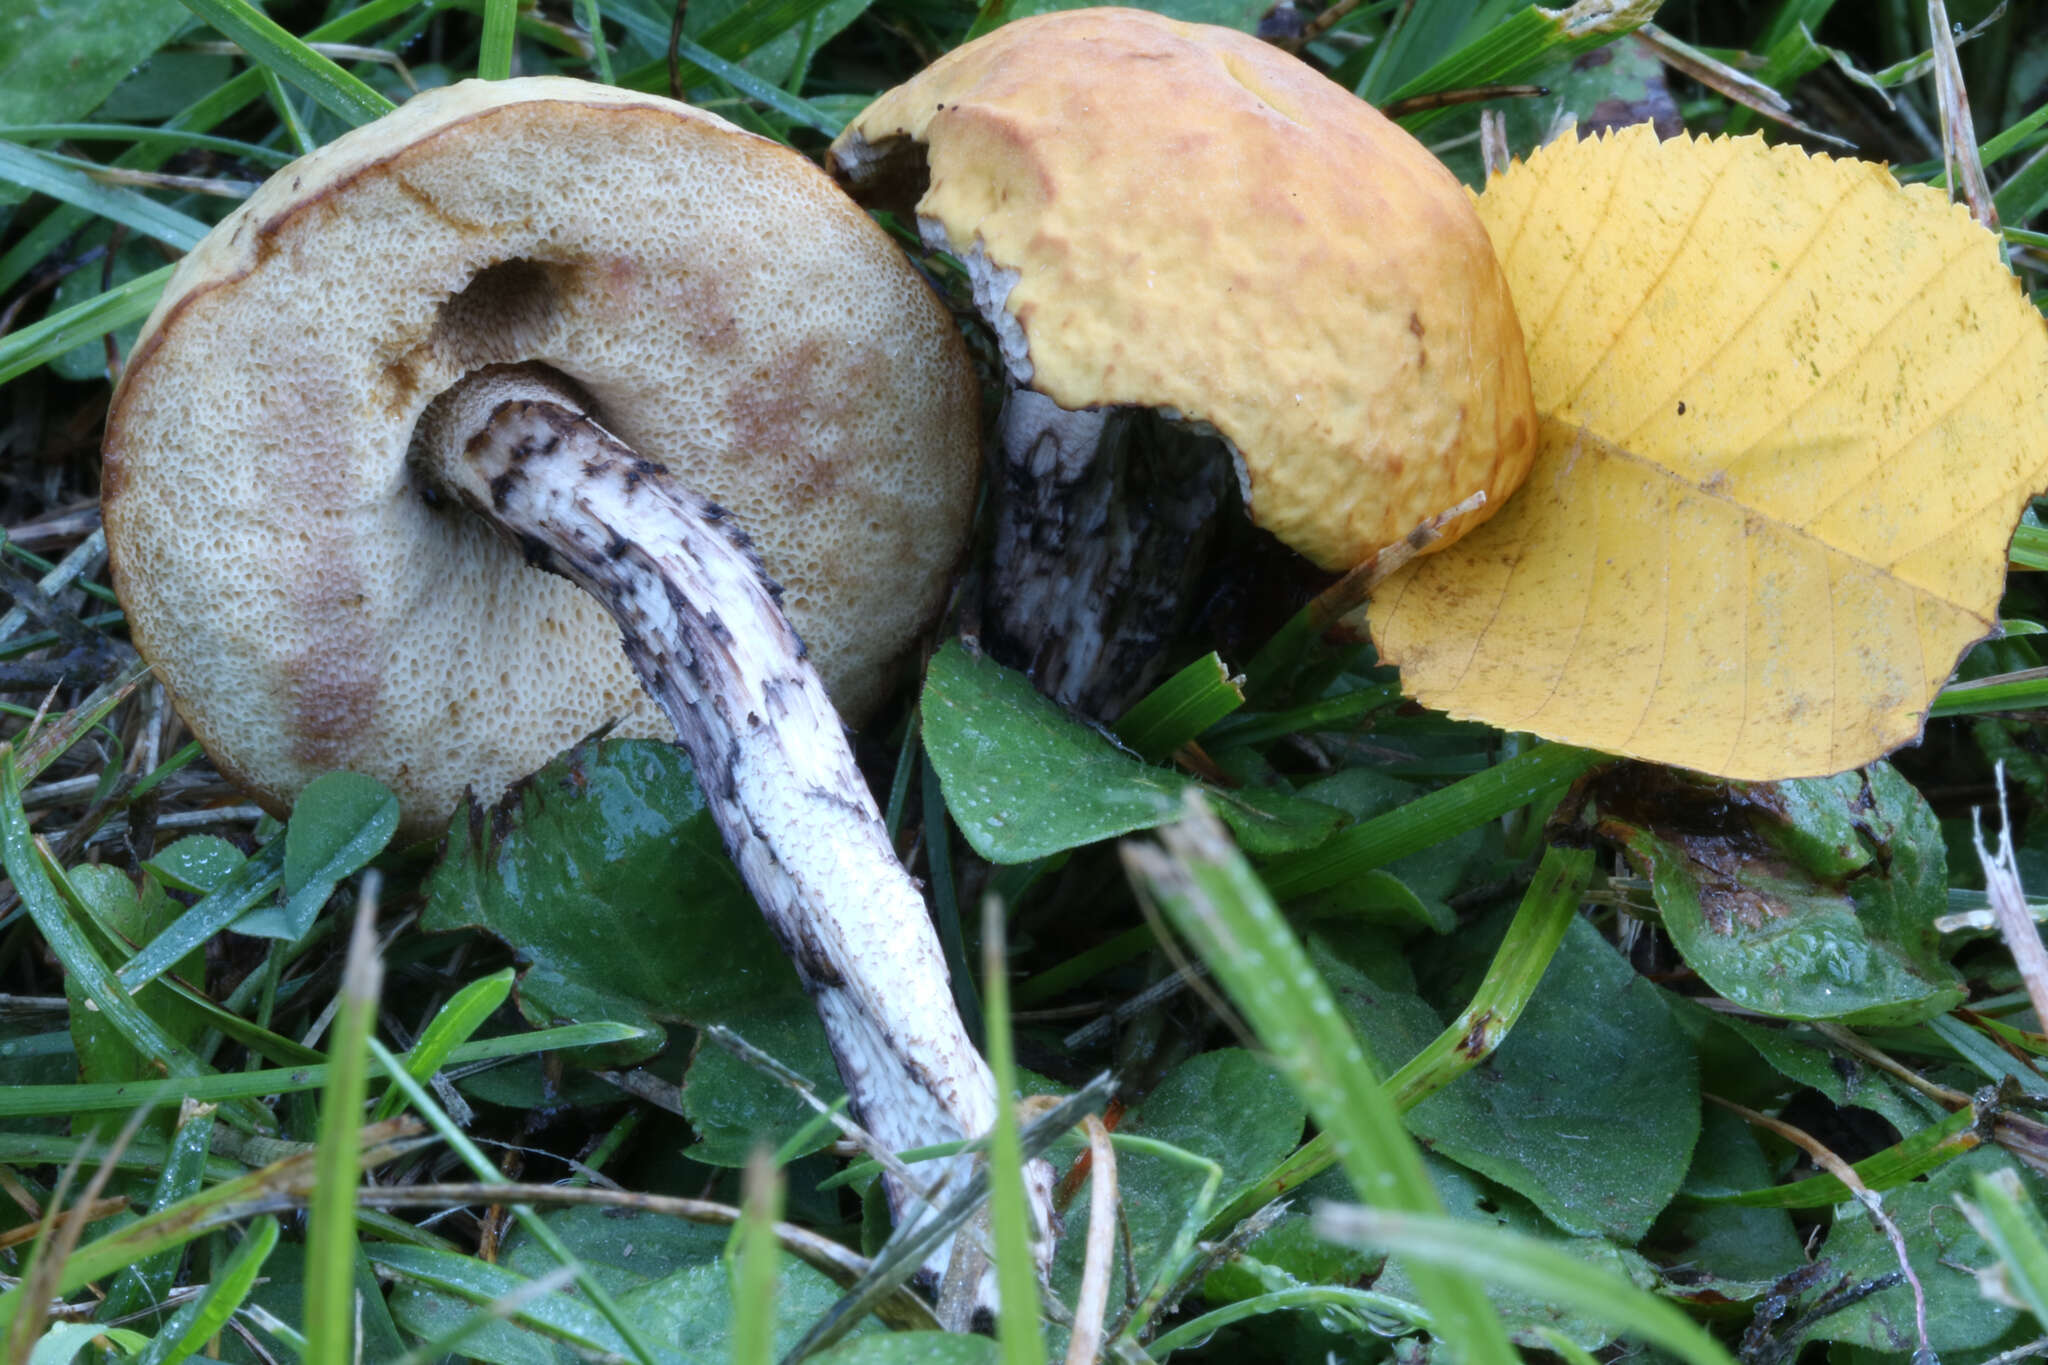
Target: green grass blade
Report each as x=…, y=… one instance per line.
x=751, y=27
x=1430, y=819
x=212, y=109
x=1017, y=1328
x=1532, y=37
x=1988, y=696
x=32, y=170
x=536, y=1227
x=1180, y=708
x=1510, y=983
x=1314, y=1298
x=331, y=1226
x=1935, y=1145
x=1209, y=893
x=44, y=1101
x=591, y=21
x=248, y=886
x=172, y=139
x=145, y=1283
x=453, y=1025
x=42, y=342
x=494, y=56
x=2006, y=1218
x=269, y=44
x=1525, y=1264
x=188, y=1331
x=258, y=1192
x=81, y=960
x=756, y=1257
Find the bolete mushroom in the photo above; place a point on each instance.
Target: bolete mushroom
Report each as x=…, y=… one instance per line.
x=1176, y=218
x=539, y=322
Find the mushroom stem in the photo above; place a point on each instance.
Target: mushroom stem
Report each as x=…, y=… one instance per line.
x=705, y=631
x=1102, y=520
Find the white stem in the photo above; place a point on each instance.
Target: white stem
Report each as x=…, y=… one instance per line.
x=703, y=627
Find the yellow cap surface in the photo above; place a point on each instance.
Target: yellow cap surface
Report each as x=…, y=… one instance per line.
x=1199, y=222
x=731, y=314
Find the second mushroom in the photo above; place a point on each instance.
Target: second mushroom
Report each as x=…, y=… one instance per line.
x=1197, y=255
x=595, y=320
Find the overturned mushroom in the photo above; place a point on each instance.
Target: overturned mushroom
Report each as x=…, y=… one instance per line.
x=563, y=303
x=1182, y=236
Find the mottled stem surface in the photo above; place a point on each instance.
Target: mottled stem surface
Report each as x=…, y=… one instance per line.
x=703, y=627
x=1101, y=520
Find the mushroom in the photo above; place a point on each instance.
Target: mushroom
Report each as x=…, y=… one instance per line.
x=1180, y=234
x=539, y=322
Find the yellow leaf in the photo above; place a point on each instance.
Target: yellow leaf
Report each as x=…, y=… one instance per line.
x=1790, y=413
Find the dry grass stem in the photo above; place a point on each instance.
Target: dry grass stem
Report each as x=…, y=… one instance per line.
x=1841, y=1170
x=1958, y=131
x=1092, y=1305
x=2009, y=903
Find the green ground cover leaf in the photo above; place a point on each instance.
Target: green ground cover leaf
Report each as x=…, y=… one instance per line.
x=1714, y=1254
x=604, y=872
x=1811, y=899
x=1945, y=1253
x=339, y=823
x=60, y=58
x=1024, y=779
x=1229, y=1106
x=913, y=1348
x=735, y=1107
x=1596, y=1064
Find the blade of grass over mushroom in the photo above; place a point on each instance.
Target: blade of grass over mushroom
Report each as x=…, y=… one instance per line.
x=32, y=170
x=1180, y=708
x=38, y=1101
x=1429, y=819
x=1525, y=1263
x=1509, y=984
x=270, y=44
x=42, y=342
x=331, y=1229
x=1017, y=1328
x=1208, y=892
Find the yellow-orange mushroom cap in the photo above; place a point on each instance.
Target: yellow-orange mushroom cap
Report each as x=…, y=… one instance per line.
x=1178, y=216
x=729, y=313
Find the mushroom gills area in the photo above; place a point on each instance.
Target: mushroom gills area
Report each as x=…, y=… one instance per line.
x=1102, y=521
x=704, y=631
